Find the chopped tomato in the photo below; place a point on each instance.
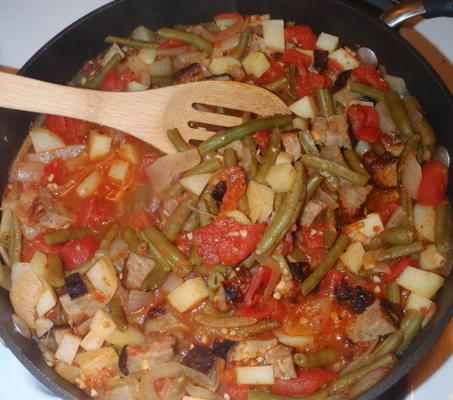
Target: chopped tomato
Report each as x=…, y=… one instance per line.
x=302, y=36
x=369, y=75
x=145, y=162
x=433, y=184
x=258, y=283
x=386, y=211
x=95, y=211
x=308, y=382
x=184, y=243
x=333, y=67
x=54, y=172
x=293, y=56
x=365, y=122
x=286, y=246
x=237, y=392
x=273, y=73
x=65, y=127
x=262, y=139
x=39, y=244
x=224, y=241
x=171, y=44
x=398, y=268
x=332, y=279
x=234, y=178
x=309, y=81
x=312, y=240
x=384, y=202
x=116, y=81
x=78, y=251
x=271, y=308
x=141, y=219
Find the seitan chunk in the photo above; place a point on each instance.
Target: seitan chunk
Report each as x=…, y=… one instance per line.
x=331, y=131
x=281, y=359
x=291, y=144
x=137, y=267
x=251, y=349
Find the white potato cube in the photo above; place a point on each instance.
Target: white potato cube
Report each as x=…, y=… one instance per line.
x=352, y=258
x=189, y=294
x=259, y=375
x=130, y=336
x=129, y=153
x=369, y=226
x=195, y=183
x=283, y=158
x=327, y=42
x=99, y=145
x=222, y=65
x=68, y=348
x=345, y=58
x=281, y=177
x=424, y=221
x=93, y=361
x=430, y=258
x=260, y=199
x=38, y=263
x=147, y=55
x=90, y=184
x=134, y=86
x=42, y=326
x=119, y=171
x=69, y=372
x=102, y=324
x=46, y=302
x=45, y=140
x=418, y=303
x=305, y=107
x=103, y=277
x=256, y=63
x=300, y=123
x=91, y=341
x=422, y=282
x=274, y=34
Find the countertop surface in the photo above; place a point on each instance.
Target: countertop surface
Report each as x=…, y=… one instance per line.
x=25, y=25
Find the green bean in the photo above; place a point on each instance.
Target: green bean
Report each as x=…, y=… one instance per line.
x=205, y=167
x=399, y=251
x=208, y=310
x=14, y=240
x=230, y=158
x=117, y=313
x=110, y=236
x=410, y=326
x=179, y=216
x=55, y=273
x=155, y=253
x=339, y=107
x=325, y=102
x=282, y=221
x=192, y=223
x=378, y=148
x=442, y=227
x=186, y=37
x=177, y=140
x=207, y=197
x=393, y=293
x=398, y=236
x=398, y=113
x=292, y=76
x=354, y=162
x=248, y=331
x=278, y=200
x=319, y=359
x=155, y=278
x=238, y=132
x=140, y=200
x=331, y=181
x=307, y=142
x=195, y=259
x=330, y=230
x=334, y=168
x=367, y=90
x=250, y=146
x=270, y=156
x=139, y=44
x=63, y=235
x=203, y=214
x=131, y=238
x=277, y=85
x=312, y=184
x=161, y=80
x=281, y=261
x=406, y=204
x=244, y=41
x=215, y=280
x=83, y=269
x=421, y=126
x=325, y=265
x=96, y=81
x=255, y=395
x=297, y=255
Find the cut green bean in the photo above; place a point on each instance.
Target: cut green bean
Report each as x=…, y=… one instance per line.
x=307, y=142
x=410, y=326
x=156, y=255
x=136, y=43
x=230, y=158
x=55, y=273
x=406, y=204
x=334, y=168
x=394, y=293
x=354, y=162
x=253, y=165
x=313, y=184
x=186, y=37
x=155, y=278
x=319, y=359
x=210, y=202
x=399, y=251
x=131, y=238
x=204, y=214
x=269, y=157
x=277, y=85
x=117, y=313
x=398, y=113
x=331, y=181
x=244, y=41
x=325, y=265
x=96, y=81
x=398, y=236
x=278, y=200
x=247, y=331
x=442, y=227
x=215, y=280
x=179, y=216
x=292, y=78
x=110, y=236
x=14, y=240
x=238, y=132
x=177, y=140
x=367, y=90
x=63, y=235
x=192, y=222
x=421, y=125
x=325, y=102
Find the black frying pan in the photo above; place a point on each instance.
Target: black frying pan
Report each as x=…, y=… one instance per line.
x=354, y=22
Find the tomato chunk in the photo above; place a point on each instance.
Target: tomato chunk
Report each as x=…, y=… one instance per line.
x=65, y=127
x=95, y=211
x=293, y=56
x=309, y=81
x=433, y=184
x=272, y=74
x=54, y=172
x=145, y=162
x=332, y=279
x=307, y=382
x=365, y=122
x=271, y=308
x=237, y=392
x=262, y=139
x=116, y=81
x=302, y=36
x=78, y=251
x=39, y=244
x=369, y=75
x=141, y=219
x=171, y=44
x=234, y=178
x=224, y=241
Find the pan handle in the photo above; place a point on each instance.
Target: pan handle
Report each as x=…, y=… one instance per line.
x=411, y=8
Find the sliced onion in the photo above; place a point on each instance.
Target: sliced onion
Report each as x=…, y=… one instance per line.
x=26, y=171
x=228, y=44
x=397, y=84
x=137, y=300
x=204, y=33
x=368, y=381
x=412, y=175
x=63, y=153
x=386, y=123
x=164, y=370
x=172, y=282
x=139, y=68
x=176, y=51
x=325, y=199
x=396, y=218
x=124, y=388
x=201, y=393
x=233, y=29
x=230, y=322
x=161, y=67
x=432, y=310
x=274, y=278
x=186, y=59
x=162, y=171
x=360, y=359
x=293, y=341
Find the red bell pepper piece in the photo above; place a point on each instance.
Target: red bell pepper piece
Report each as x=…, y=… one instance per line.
x=365, y=122
x=332, y=279
x=302, y=36
x=95, y=211
x=75, y=252
x=398, y=268
x=271, y=308
x=369, y=75
x=433, y=184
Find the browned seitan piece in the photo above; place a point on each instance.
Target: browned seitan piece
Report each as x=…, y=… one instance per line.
x=137, y=268
x=281, y=359
x=192, y=73
x=383, y=168
x=331, y=131
x=291, y=144
x=251, y=349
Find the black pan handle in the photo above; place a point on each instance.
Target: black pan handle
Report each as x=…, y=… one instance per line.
x=411, y=8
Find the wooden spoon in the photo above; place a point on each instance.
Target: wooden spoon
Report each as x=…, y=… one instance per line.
x=146, y=114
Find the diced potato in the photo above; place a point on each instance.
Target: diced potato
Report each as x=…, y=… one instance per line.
x=119, y=171
x=68, y=348
x=222, y=65
x=134, y=86
x=300, y=123
x=147, y=55
x=259, y=375
x=59, y=333
x=69, y=372
x=103, y=277
x=369, y=226
x=42, y=326
x=294, y=341
x=91, y=341
x=327, y=42
x=274, y=34
x=130, y=336
x=143, y=33
x=190, y=293
x=239, y=217
x=102, y=324
x=38, y=263
x=89, y=185
x=46, y=302
x=281, y=177
x=419, y=303
x=422, y=282
x=260, y=199
x=305, y=107
x=345, y=58
x=424, y=221
x=195, y=183
x=98, y=145
x=93, y=361
x=256, y=63
x=45, y=140
x=352, y=258
x=129, y=153
x=430, y=258
x=283, y=158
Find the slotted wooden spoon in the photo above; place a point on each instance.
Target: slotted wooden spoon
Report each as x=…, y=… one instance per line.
x=146, y=114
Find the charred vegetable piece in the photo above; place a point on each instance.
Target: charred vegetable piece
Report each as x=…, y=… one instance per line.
x=233, y=293
x=199, y=358
x=222, y=348
x=75, y=286
x=299, y=270
x=355, y=297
